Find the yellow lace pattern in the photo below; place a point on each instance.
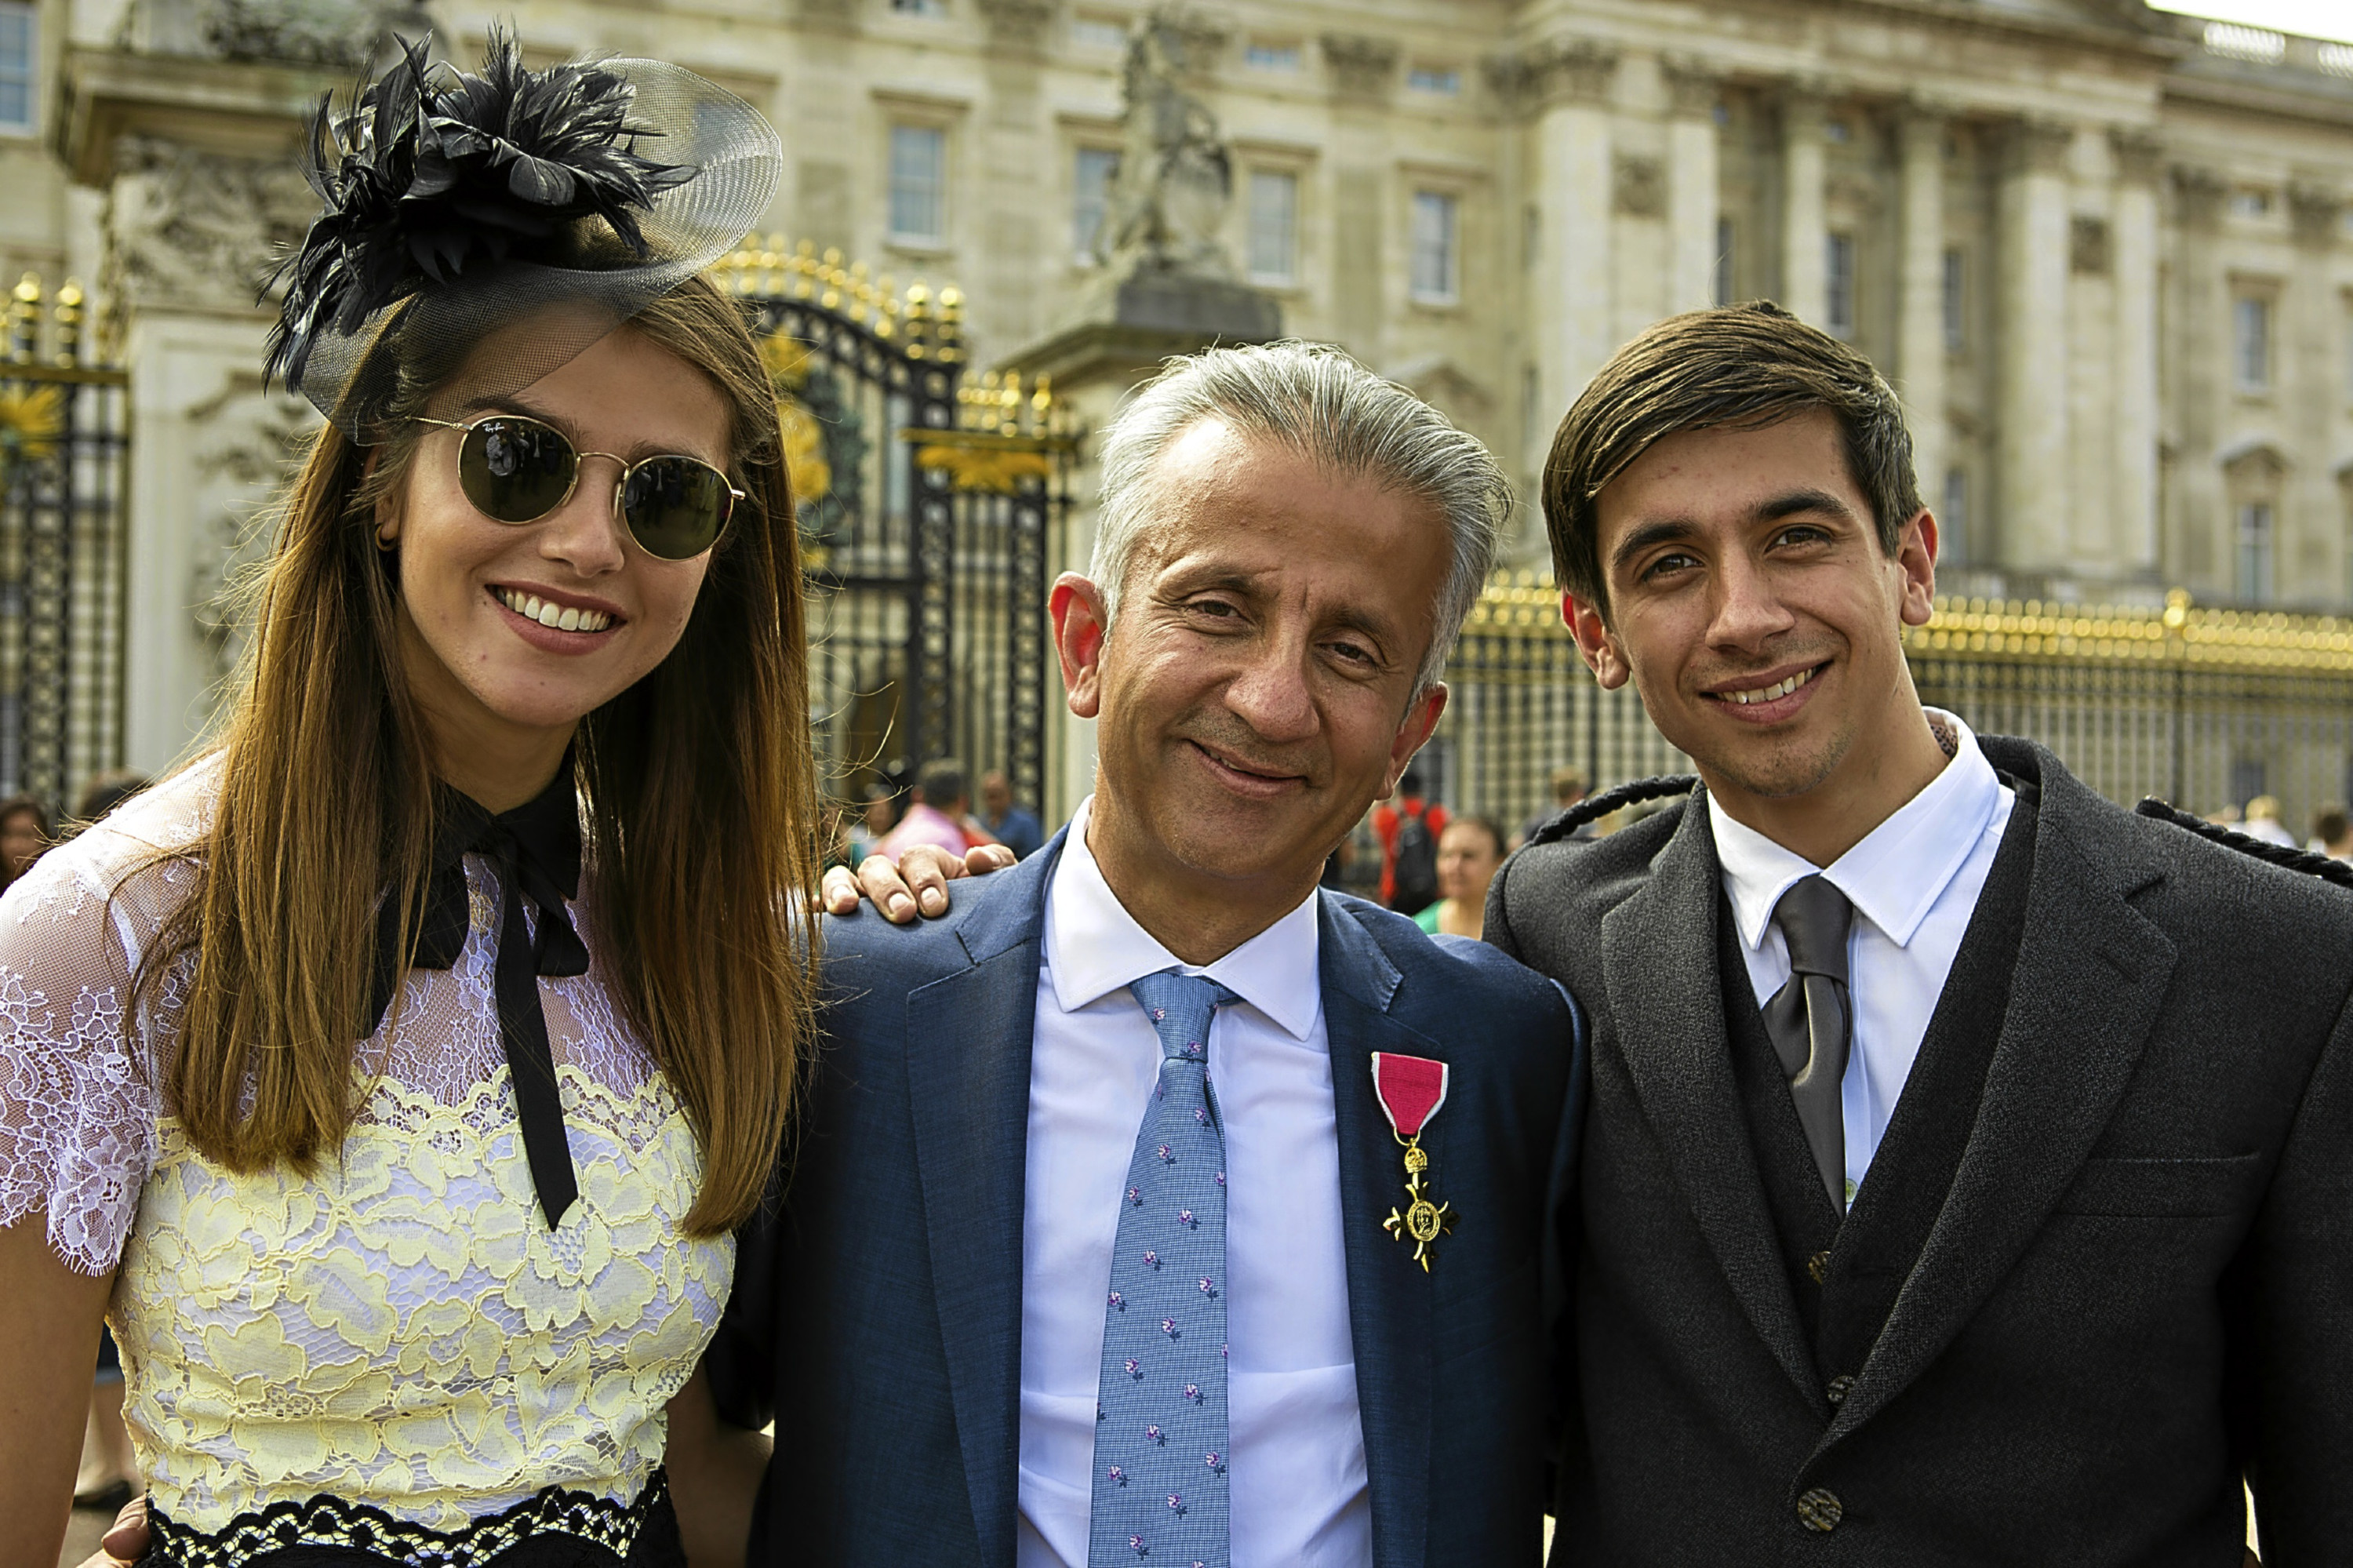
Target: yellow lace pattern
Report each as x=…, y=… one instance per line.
x=401, y=1326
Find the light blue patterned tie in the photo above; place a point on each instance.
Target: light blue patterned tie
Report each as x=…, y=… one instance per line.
x=1160, y=1420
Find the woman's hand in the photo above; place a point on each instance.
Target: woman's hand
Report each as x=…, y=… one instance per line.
x=126, y=1540
x=917, y=881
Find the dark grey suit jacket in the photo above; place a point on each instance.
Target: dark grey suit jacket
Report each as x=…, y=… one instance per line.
x=2139, y=1288
x=878, y=1314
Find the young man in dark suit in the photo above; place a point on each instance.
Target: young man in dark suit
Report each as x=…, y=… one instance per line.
x=1968, y=1162
x=1069, y=1275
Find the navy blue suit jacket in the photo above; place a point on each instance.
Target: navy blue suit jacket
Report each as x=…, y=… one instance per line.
x=877, y=1311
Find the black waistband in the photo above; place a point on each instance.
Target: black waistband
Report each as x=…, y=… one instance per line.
x=554, y=1529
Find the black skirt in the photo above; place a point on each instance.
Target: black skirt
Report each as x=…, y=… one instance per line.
x=555, y=1528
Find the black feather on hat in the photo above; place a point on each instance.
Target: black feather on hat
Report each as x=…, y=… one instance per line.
x=436, y=171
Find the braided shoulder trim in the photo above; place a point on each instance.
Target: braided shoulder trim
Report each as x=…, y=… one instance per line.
x=1593, y=807
x=2319, y=865
x=363, y=1527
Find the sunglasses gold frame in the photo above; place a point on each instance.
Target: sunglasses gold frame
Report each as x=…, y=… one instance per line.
x=580, y=455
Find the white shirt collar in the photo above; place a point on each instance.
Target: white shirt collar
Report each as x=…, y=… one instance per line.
x=1095, y=946
x=1895, y=876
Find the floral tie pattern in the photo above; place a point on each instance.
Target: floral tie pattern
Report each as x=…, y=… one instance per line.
x=1160, y=1428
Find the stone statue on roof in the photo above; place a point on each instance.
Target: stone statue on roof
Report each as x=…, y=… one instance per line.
x=1167, y=202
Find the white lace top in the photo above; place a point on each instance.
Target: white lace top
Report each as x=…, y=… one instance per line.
x=400, y=1329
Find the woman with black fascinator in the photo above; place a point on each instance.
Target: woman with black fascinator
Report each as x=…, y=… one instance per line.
x=391, y=1077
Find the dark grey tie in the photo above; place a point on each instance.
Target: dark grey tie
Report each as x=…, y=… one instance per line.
x=1811, y=1020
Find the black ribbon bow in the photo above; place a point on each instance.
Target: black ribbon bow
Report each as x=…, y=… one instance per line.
x=535, y=849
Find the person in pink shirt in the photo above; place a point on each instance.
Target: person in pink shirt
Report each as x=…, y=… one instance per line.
x=939, y=813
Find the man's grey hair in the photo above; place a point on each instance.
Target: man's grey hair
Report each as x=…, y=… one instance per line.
x=1318, y=402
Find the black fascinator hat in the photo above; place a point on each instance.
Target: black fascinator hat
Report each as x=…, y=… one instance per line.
x=560, y=202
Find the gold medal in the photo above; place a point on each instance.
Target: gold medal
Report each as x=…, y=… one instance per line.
x=1410, y=1089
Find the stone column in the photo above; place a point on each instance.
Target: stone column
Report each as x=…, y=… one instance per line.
x=1569, y=85
x=2311, y=376
x=2032, y=520
x=1023, y=244
x=1370, y=277
x=1691, y=89
x=2197, y=550
x=2133, y=488
x=1920, y=322
x=1804, y=264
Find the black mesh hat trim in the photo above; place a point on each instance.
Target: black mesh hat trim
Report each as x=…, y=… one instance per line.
x=483, y=228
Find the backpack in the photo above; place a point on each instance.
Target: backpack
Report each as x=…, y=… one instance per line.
x=1416, y=873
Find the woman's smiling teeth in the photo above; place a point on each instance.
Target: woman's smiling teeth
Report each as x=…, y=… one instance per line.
x=562, y=617
x=1766, y=693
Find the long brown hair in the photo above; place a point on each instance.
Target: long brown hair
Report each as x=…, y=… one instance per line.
x=701, y=799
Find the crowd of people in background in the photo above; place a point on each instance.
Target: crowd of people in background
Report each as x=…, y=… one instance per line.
x=1411, y=855
x=935, y=808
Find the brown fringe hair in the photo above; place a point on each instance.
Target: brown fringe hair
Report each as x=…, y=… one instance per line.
x=700, y=815
x=1734, y=367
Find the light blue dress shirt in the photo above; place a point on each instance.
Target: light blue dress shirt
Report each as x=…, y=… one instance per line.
x=1296, y=1468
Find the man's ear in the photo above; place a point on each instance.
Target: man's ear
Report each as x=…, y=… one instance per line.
x=1080, y=625
x=1916, y=559
x=1421, y=720
x=1596, y=643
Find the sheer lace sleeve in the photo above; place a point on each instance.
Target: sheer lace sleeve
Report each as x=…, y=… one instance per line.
x=78, y=1096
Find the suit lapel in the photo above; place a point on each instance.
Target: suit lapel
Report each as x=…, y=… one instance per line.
x=1658, y=963
x=1390, y=1298
x=2092, y=974
x=968, y=1040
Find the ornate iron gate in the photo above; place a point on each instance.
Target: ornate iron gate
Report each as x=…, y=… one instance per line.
x=929, y=504
x=63, y=445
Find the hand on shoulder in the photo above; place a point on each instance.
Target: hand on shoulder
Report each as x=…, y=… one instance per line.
x=914, y=883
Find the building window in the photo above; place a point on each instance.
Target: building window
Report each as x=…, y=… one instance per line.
x=2251, y=341
x=16, y=61
x=1533, y=432
x=1273, y=228
x=1271, y=56
x=1090, y=199
x=2251, y=201
x=919, y=162
x=1098, y=33
x=1720, y=286
x=1444, y=80
x=1957, y=335
x=920, y=7
x=1434, y=252
x=1837, y=284
x=2254, y=578
x=1953, y=520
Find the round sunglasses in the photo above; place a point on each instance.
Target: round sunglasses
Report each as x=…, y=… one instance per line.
x=517, y=470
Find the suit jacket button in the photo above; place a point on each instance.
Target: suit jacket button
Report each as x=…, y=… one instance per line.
x=1841, y=1386
x=1820, y=1510
x=1819, y=1265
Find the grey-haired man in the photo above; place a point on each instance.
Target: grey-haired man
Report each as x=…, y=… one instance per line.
x=1157, y=1205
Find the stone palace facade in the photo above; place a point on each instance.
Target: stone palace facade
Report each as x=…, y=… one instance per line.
x=2106, y=253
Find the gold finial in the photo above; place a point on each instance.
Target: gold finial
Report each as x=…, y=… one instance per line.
x=950, y=323
x=919, y=320
x=69, y=322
